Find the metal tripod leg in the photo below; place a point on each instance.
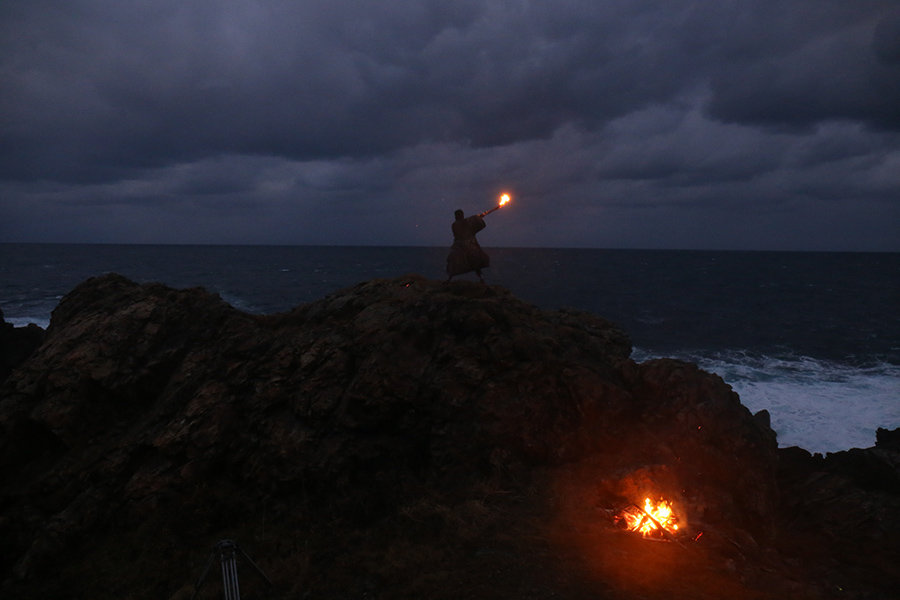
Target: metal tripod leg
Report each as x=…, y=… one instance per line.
x=227, y=551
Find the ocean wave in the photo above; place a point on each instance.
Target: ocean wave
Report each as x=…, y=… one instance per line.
x=820, y=405
x=238, y=302
x=43, y=323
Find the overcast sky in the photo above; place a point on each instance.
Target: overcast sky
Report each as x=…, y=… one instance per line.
x=726, y=124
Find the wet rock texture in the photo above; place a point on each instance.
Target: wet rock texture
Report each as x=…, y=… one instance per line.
x=406, y=438
x=16, y=344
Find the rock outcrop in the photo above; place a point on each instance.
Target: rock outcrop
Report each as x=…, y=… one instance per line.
x=404, y=438
x=16, y=344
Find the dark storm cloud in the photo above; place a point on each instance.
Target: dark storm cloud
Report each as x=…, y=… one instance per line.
x=604, y=115
x=106, y=86
x=841, y=65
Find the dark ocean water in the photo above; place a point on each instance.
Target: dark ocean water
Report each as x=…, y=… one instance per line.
x=812, y=337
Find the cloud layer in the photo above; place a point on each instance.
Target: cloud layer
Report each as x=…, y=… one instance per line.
x=731, y=124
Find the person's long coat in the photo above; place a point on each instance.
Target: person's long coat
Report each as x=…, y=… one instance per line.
x=465, y=253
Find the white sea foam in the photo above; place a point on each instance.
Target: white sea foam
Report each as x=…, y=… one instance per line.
x=818, y=405
x=25, y=321
x=237, y=302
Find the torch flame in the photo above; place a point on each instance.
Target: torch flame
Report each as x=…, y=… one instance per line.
x=651, y=518
x=504, y=199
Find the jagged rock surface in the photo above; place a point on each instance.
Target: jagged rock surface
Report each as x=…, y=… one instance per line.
x=16, y=344
x=399, y=439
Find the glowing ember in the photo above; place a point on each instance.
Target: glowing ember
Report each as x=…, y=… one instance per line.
x=650, y=518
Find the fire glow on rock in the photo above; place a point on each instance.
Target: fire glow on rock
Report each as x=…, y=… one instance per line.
x=651, y=520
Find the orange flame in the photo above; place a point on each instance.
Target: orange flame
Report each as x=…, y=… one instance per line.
x=504, y=199
x=651, y=518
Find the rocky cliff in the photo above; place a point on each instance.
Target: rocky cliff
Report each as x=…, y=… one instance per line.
x=16, y=344
x=406, y=438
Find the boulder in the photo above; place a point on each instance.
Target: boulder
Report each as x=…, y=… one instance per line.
x=402, y=438
x=16, y=344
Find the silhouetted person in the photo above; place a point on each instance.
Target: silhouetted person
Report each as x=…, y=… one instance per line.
x=465, y=253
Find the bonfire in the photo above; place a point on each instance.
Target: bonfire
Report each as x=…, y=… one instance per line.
x=652, y=520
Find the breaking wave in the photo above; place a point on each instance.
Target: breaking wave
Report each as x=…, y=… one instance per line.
x=41, y=322
x=819, y=405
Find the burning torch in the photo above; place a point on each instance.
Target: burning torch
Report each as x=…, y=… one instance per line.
x=504, y=200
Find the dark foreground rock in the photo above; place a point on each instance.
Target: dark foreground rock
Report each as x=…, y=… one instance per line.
x=407, y=439
x=16, y=344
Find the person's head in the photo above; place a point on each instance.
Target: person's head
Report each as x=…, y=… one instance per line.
x=459, y=214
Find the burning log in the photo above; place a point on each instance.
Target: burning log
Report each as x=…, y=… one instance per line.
x=656, y=522
x=650, y=520
x=659, y=526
